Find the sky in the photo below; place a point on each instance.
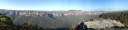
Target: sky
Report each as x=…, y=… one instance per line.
x=86, y=5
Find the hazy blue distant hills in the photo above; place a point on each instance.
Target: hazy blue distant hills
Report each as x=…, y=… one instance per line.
x=50, y=19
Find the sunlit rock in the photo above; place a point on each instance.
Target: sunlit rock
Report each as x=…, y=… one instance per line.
x=103, y=23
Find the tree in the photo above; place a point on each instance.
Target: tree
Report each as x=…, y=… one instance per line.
x=5, y=22
x=27, y=26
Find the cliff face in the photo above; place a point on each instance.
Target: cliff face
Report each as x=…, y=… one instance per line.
x=50, y=19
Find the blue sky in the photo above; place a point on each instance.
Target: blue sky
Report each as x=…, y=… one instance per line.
x=64, y=4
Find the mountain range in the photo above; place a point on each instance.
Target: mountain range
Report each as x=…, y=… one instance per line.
x=50, y=19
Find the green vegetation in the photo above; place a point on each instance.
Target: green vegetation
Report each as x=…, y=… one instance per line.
x=7, y=24
x=119, y=16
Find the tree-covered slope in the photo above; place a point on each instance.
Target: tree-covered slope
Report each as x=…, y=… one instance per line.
x=5, y=22
x=119, y=16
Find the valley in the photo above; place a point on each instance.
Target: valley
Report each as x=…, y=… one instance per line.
x=50, y=19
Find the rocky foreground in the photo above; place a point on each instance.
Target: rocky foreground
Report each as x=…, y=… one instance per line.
x=103, y=23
